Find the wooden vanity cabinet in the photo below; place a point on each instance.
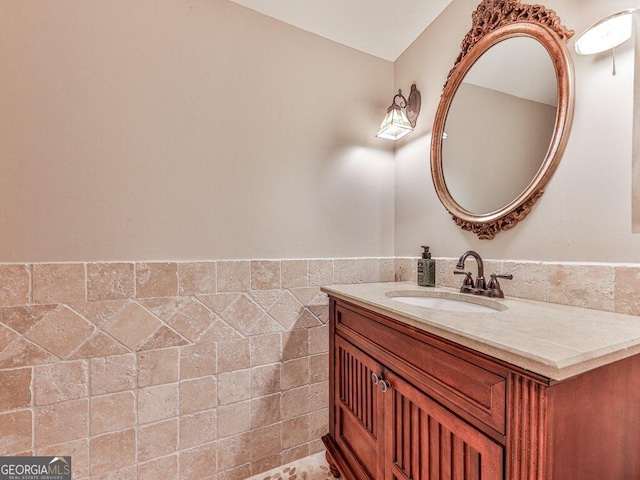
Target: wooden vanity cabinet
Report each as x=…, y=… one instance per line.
x=407, y=405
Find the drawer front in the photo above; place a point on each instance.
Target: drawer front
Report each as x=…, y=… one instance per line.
x=450, y=379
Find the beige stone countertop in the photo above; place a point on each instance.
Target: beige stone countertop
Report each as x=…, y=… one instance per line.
x=556, y=341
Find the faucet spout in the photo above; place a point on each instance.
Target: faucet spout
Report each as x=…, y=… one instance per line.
x=480, y=284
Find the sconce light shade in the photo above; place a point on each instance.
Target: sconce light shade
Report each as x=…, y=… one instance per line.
x=395, y=124
x=606, y=34
x=401, y=118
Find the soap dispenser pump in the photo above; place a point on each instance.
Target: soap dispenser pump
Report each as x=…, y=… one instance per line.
x=426, y=269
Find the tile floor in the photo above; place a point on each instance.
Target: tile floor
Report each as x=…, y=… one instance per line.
x=314, y=467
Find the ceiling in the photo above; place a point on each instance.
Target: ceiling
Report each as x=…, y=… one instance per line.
x=381, y=28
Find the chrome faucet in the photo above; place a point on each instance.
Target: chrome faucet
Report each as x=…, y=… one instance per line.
x=479, y=287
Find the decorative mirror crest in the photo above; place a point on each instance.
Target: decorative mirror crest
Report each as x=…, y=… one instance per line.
x=492, y=14
x=493, y=22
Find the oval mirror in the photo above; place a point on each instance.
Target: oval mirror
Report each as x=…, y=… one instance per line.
x=504, y=116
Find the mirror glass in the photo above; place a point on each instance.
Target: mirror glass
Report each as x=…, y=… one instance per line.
x=500, y=125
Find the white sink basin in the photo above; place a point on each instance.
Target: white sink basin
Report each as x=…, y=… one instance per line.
x=447, y=301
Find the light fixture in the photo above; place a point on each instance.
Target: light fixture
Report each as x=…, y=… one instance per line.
x=607, y=34
x=401, y=117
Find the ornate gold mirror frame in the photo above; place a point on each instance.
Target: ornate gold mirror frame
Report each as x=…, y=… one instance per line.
x=493, y=22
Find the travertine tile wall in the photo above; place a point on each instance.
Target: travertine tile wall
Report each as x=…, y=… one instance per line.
x=203, y=370
x=169, y=370
x=599, y=286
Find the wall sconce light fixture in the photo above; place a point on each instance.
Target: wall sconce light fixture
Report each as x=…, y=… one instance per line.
x=607, y=34
x=401, y=117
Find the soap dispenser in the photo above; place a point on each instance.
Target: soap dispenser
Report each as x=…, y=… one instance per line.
x=426, y=269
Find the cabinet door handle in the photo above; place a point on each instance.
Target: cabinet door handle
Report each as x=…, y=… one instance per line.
x=375, y=378
x=384, y=385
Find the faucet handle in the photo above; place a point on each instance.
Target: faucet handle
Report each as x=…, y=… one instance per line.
x=467, y=284
x=494, y=285
x=462, y=272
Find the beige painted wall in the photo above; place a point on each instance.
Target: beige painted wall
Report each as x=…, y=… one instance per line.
x=200, y=130
x=635, y=171
x=585, y=213
x=164, y=129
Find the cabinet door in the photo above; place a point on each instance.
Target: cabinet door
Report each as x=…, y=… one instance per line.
x=425, y=441
x=358, y=417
